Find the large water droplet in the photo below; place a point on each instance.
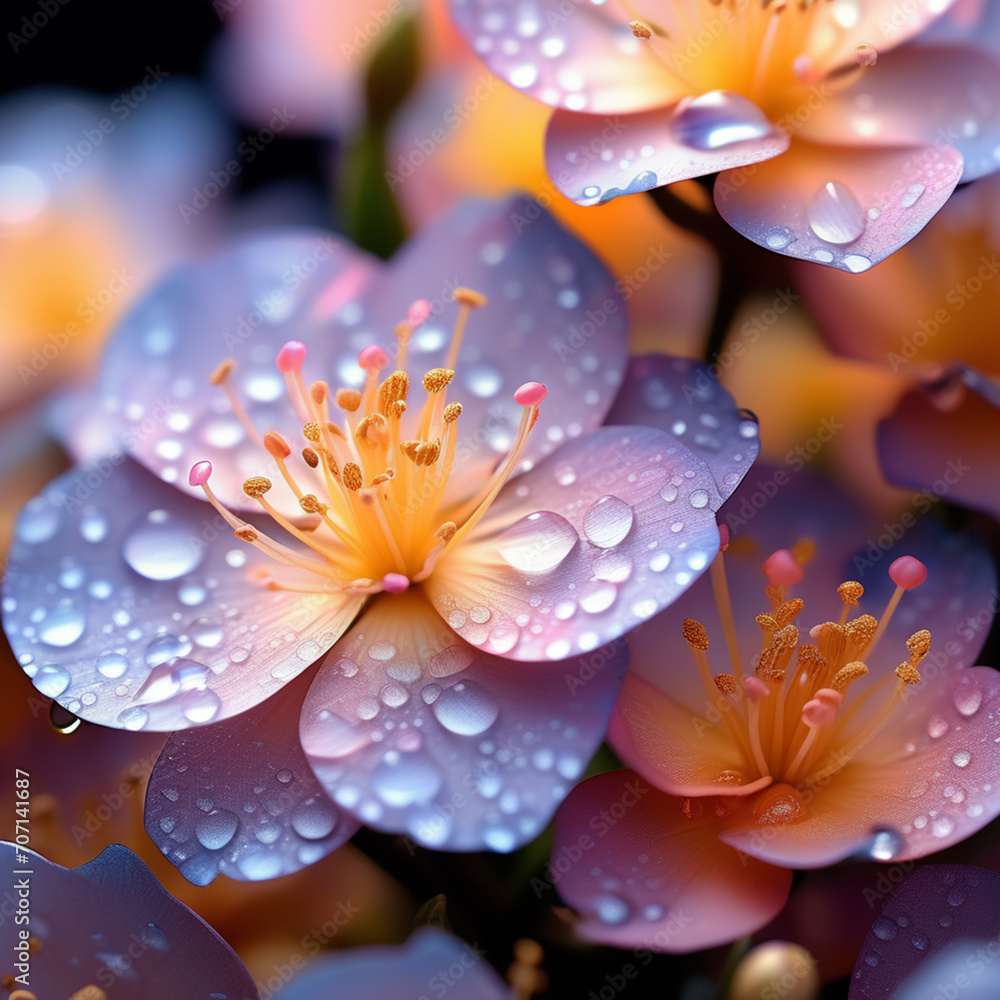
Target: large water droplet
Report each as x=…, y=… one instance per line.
x=313, y=819
x=537, y=543
x=961, y=758
x=38, y=521
x=133, y=718
x=967, y=696
x=718, y=118
x=406, y=780
x=835, y=215
x=936, y=727
x=51, y=679
x=154, y=937
x=608, y=521
x=200, y=707
x=160, y=548
x=612, y=910
x=167, y=679
x=885, y=845
x=111, y=665
x=466, y=709
x=63, y=625
x=216, y=829
x=884, y=929
x=93, y=525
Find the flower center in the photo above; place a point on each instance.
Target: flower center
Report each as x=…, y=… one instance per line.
x=789, y=719
x=374, y=513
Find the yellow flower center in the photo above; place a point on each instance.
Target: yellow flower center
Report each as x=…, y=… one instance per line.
x=374, y=514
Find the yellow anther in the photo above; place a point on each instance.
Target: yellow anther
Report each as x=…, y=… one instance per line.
x=333, y=430
x=810, y=661
x=788, y=637
x=383, y=477
x=832, y=641
x=310, y=458
x=447, y=531
x=311, y=504
x=331, y=462
x=919, y=645
x=767, y=623
x=90, y=992
x=452, y=412
x=428, y=452
x=348, y=399
x=789, y=611
x=372, y=430
x=437, y=379
x=256, y=486
x=726, y=683
x=848, y=675
x=908, y=673
x=862, y=630
x=767, y=665
x=409, y=449
x=776, y=595
x=695, y=634
x=804, y=550
x=469, y=297
x=392, y=390
x=245, y=533
x=850, y=592
x=353, y=479
x=640, y=30
x=311, y=432
x=398, y=408
x=319, y=392
x=222, y=372
x=276, y=446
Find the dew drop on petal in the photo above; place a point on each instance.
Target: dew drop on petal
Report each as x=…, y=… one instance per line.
x=51, y=679
x=313, y=819
x=612, y=910
x=835, y=215
x=608, y=521
x=967, y=696
x=63, y=625
x=466, y=709
x=936, y=727
x=216, y=829
x=537, y=543
x=961, y=758
x=718, y=118
x=160, y=548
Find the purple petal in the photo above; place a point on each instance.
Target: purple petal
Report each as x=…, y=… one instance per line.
x=594, y=158
x=429, y=960
x=110, y=924
x=239, y=798
x=936, y=912
x=944, y=439
x=132, y=605
x=244, y=303
x=842, y=207
x=594, y=540
x=685, y=399
x=579, y=57
x=414, y=731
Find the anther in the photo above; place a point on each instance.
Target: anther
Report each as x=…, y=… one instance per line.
x=395, y=583
x=311, y=432
x=222, y=372
x=848, y=675
x=695, y=634
x=723, y=537
x=726, y=683
x=348, y=399
x=640, y=30
x=782, y=569
x=919, y=645
x=319, y=391
x=452, y=412
x=767, y=623
x=469, y=297
x=530, y=394
x=446, y=532
x=245, y=534
x=822, y=710
x=789, y=611
x=418, y=312
x=437, y=379
x=908, y=673
x=851, y=592
x=311, y=504
x=862, y=630
x=756, y=690
x=310, y=458
x=276, y=446
x=371, y=430
x=373, y=359
x=352, y=477
x=200, y=473
x=398, y=408
x=907, y=572
x=256, y=486
x=291, y=357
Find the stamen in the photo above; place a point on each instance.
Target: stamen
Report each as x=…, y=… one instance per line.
x=850, y=593
x=256, y=486
x=848, y=675
x=640, y=30
x=782, y=569
x=348, y=399
x=467, y=300
x=908, y=574
x=908, y=673
x=919, y=645
x=220, y=377
x=727, y=684
x=352, y=477
x=437, y=379
x=789, y=611
x=720, y=589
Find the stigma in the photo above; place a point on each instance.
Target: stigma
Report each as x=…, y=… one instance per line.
x=370, y=474
x=792, y=716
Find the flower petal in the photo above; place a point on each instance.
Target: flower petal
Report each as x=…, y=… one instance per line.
x=594, y=540
x=936, y=912
x=685, y=399
x=91, y=920
x=132, y=606
x=243, y=303
x=413, y=730
x=643, y=874
x=921, y=95
x=846, y=208
x=374, y=973
x=582, y=57
x=553, y=316
x=925, y=782
x=239, y=798
x=593, y=158
x=921, y=443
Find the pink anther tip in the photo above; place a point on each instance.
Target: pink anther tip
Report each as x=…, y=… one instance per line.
x=756, y=689
x=291, y=357
x=530, y=394
x=907, y=572
x=200, y=473
x=723, y=537
x=395, y=583
x=418, y=312
x=782, y=569
x=373, y=358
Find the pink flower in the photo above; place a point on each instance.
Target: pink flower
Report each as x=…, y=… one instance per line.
x=834, y=141
x=472, y=627
x=806, y=749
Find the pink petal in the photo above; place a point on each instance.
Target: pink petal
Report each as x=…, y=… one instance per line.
x=110, y=923
x=239, y=798
x=685, y=399
x=586, y=58
x=414, y=731
x=846, y=208
x=920, y=95
x=967, y=23
x=644, y=875
x=120, y=598
x=927, y=781
x=243, y=303
x=594, y=540
x=593, y=158
x=950, y=451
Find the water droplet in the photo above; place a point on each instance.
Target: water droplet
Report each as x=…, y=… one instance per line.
x=406, y=780
x=967, y=696
x=394, y=695
x=63, y=625
x=284, y=776
x=38, y=521
x=260, y=864
x=942, y=826
x=206, y=632
x=597, y=597
x=699, y=498
x=856, y=262
x=93, y=526
x=778, y=804
x=865, y=54
x=612, y=910
x=717, y=119
x=884, y=929
x=191, y=594
x=913, y=193
x=154, y=937
x=885, y=845
x=920, y=941
x=565, y=475
x=466, y=709
x=608, y=521
x=537, y=543
x=500, y=838
x=835, y=215
x=200, y=707
x=779, y=238
x=956, y=897
x=216, y=829
x=936, y=727
x=51, y=679
x=612, y=568
x=313, y=819
x=161, y=548
x=961, y=758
